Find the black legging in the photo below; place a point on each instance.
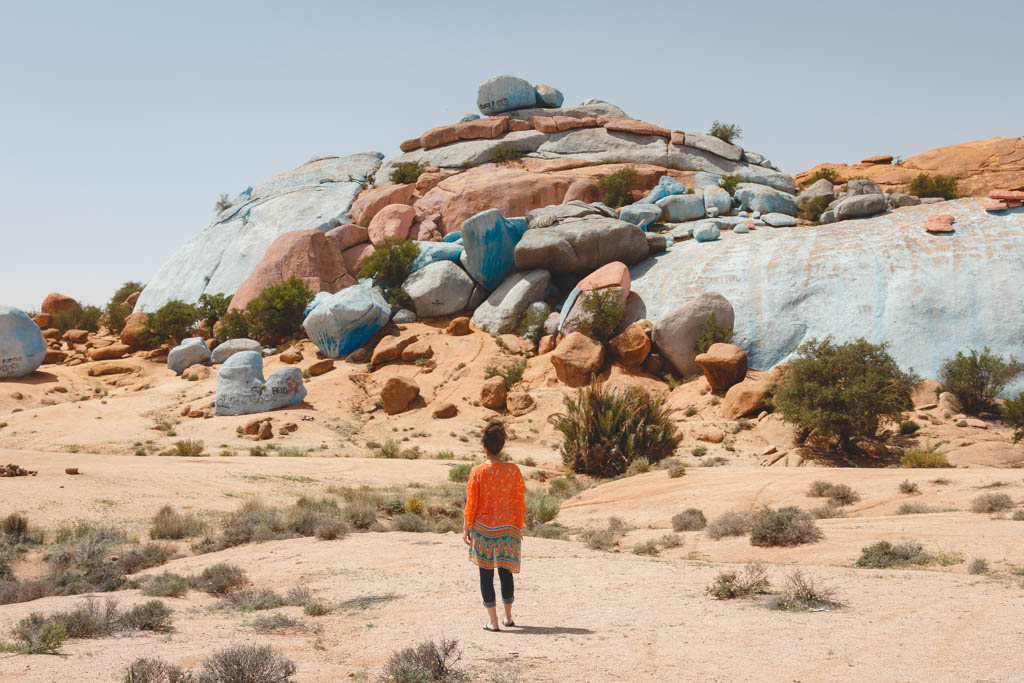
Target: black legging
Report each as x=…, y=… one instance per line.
x=508, y=587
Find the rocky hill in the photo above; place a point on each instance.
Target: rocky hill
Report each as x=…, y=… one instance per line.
x=979, y=167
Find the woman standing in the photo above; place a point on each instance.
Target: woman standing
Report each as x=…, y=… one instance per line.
x=495, y=508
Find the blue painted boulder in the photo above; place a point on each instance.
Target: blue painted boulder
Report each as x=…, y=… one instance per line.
x=779, y=220
x=191, y=351
x=753, y=197
x=22, y=347
x=469, y=117
x=706, y=231
x=717, y=198
x=241, y=389
x=233, y=346
x=452, y=237
x=432, y=252
x=504, y=93
x=490, y=240
x=666, y=187
x=679, y=208
x=345, y=320
x=548, y=97
x=640, y=214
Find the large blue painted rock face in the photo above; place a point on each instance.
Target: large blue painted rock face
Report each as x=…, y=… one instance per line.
x=344, y=321
x=432, y=252
x=883, y=278
x=191, y=351
x=504, y=93
x=22, y=347
x=222, y=256
x=490, y=240
x=241, y=389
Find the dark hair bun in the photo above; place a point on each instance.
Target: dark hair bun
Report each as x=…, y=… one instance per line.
x=494, y=437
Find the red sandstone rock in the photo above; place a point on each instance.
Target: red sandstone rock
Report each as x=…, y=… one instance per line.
x=43, y=320
x=353, y=257
x=724, y=365
x=291, y=356
x=678, y=138
x=445, y=411
x=419, y=350
x=55, y=303
x=488, y=128
x=391, y=222
x=583, y=190
x=370, y=201
x=545, y=124
x=635, y=126
x=321, y=367
x=458, y=327
x=632, y=346
x=390, y=348
x=133, y=325
x=1013, y=195
x=881, y=159
x=397, y=394
x=442, y=135
x=747, y=397
x=519, y=403
x=517, y=125
x=577, y=359
x=493, y=393
x=348, y=235
x=132, y=299
x=409, y=145
x=109, y=352
x=614, y=274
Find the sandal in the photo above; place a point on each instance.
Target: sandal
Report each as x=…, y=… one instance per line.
x=509, y=624
x=492, y=630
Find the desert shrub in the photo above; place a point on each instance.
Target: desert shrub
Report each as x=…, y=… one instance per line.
x=712, y=333
x=254, y=599
x=330, y=529
x=166, y=585
x=171, y=323
x=153, y=615
x=801, y=593
x=143, y=557
x=976, y=379
x=531, y=325
x=505, y=152
x=830, y=510
x=541, y=508
x=409, y=522
x=828, y=174
x=614, y=188
x=729, y=585
x=607, y=538
x=150, y=670
x=908, y=427
x=253, y=522
x=921, y=457
x=247, y=664
x=727, y=132
x=223, y=202
x=601, y=313
x=275, y=623
x=927, y=185
x=640, y=465
x=646, y=548
x=512, y=373
x=38, y=635
x=842, y=390
x=415, y=505
x=12, y=591
x=604, y=430
x=171, y=524
x=390, y=263
x=117, y=311
x=991, y=502
x=840, y=493
x=407, y=172
x=565, y=487
x=690, y=519
x=885, y=554
x=428, y=662
x=360, y=515
x=676, y=470
x=916, y=509
x=233, y=325
x=699, y=451
x=392, y=449
x=212, y=308
x=1013, y=415
x=978, y=565
x=219, y=579
x=811, y=209
x=908, y=487
x=78, y=317
x=730, y=523
x=317, y=608
x=278, y=311
x=460, y=472
x=15, y=528
x=785, y=526
x=729, y=183
x=187, y=448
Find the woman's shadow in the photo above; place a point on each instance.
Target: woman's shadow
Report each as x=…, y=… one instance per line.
x=548, y=630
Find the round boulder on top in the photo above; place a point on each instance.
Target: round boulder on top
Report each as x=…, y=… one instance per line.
x=548, y=97
x=241, y=389
x=503, y=93
x=191, y=351
x=22, y=347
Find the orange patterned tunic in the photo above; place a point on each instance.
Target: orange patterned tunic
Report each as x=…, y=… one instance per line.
x=495, y=509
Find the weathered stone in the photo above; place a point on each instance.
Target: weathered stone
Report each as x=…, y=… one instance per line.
x=897, y=200
x=404, y=316
x=548, y=96
x=710, y=435
x=501, y=312
x=434, y=252
x=859, y=186
x=752, y=197
x=723, y=365
x=233, y=346
x=675, y=333
x=190, y=352
x=371, y=201
x=504, y=93
x=634, y=126
x=640, y=214
x=718, y=147
x=632, y=346
x=420, y=350
x=22, y=347
x=196, y=373
x=55, y=303
x=948, y=402
x=860, y=206
x=706, y=231
x=654, y=363
x=241, y=389
x=482, y=129
x=390, y=348
x=76, y=336
x=746, y=397
x=546, y=344
x=519, y=403
x=583, y=244
x=344, y=321
x=445, y=411
x=679, y=208
x=291, y=356
x=458, y=327
x=820, y=188
x=577, y=359
x=43, y=320
x=320, y=367
x=391, y=222
x=133, y=325
x=779, y=220
x=109, y=352
x=715, y=198
x=490, y=240
x=493, y=393
x=398, y=393
x=441, y=288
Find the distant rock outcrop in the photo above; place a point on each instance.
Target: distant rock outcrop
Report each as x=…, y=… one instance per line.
x=979, y=167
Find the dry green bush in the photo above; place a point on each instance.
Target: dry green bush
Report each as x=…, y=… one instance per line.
x=784, y=526
x=690, y=519
x=841, y=494
x=247, y=664
x=732, y=523
x=729, y=585
x=885, y=554
x=801, y=593
x=428, y=662
x=991, y=502
x=171, y=524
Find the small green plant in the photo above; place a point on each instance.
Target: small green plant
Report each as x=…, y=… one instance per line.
x=811, y=209
x=541, y=508
x=78, y=317
x=908, y=427
x=908, y=487
x=991, y=502
x=212, y=308
x=172, y=322
x=926, y=185
x=415, y=505
x=885, y=554
x=389, y=265
x=646, y=548
x=505, y=153
x=640, y=465
x=1013, y=416
x=690, y=519
x=730, y=183
x=278, y=311
x=151, y=670
x=601, y=312
x=976, y=379
x=801, y=593
x=730, y=523
x=392, y=449
x=407, y=172
x=460, y=472
x=512, y=373
x=428, y=662
x=219, y=579
x=922, y=457
x=531, y=326
x=676, y=470
x=842, y=390
x=247, y=663
x=730, y=585
x=699, y=451
x=604, y=430
x=841, y=494
x=978, y=565
x=727, y=132
x=614, y=188
x=223, y=202
x=786, y=526
x=233, y=325
x=187, y=448
x=166, y=585
x=171, y=524
x=824, y=173
x=712, y=333
x=153, y=615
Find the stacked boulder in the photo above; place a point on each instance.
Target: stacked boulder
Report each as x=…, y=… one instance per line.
x=241, y=388
x=1001, y=200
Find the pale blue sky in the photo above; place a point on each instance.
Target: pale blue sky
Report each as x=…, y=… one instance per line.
x=121, y=123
